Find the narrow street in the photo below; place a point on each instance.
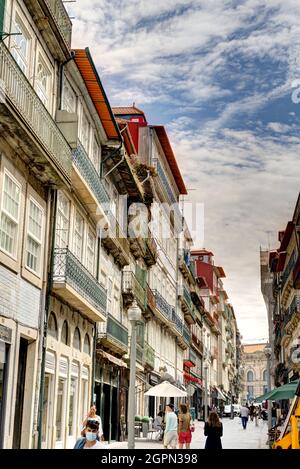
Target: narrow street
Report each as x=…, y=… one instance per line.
x=234, y=437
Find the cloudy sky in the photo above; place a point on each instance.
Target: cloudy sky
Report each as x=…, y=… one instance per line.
x=223, y=76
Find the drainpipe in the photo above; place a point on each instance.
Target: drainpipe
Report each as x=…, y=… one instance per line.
x=47, y=306
x=41, y=322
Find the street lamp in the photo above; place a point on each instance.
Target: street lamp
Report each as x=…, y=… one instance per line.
x=268, y=353
x=206, y=391
x=134, y=316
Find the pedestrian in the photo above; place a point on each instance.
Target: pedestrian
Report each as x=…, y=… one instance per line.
x=184, y=427
x=171, y=428
x=274, y=414
x=213, y=430
x=256, y=416
x=158, y=424
x=92, y=415
x=89, y=441
x=245, y=416
x=251, y=412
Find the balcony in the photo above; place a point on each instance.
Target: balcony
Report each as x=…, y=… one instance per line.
x=113, y=336
x=288, y=270
x=133, y=290
x=149, y=357
x=76, y=285
x=187, y=305
x=187, y=335
x=28, y=125
x=54, y=24
x=190, y=359
x=87, y=183
x=163, y=309
x=115, y=242
x=177, y=322
x=198, y=344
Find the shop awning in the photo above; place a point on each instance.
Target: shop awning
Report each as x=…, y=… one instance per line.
x=287, y=391
x=112, y=359
x=220, y=394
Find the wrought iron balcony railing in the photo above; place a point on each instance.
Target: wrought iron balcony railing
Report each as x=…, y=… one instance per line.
x=132, y=286
x=177, y=321
x=290, y=266
x=187, y=335
x=19, y=92
x=61, y=18
x=187, y=297
x=89, y=173
x=113, y=329
x=163, y=305
x=149, y=356
x=291, y=310
x=68, y=269
x=192, y=356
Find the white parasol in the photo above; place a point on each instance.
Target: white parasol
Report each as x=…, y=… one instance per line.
x=166, y=389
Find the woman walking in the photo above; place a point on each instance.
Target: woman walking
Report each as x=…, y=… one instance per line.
x=184, y=427
x=214, y=431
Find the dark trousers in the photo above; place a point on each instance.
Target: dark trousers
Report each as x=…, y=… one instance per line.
x=244, y=422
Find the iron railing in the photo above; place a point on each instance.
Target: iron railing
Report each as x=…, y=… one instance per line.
x=163, y=305
x=90, y=175
x=187, y=335
x=177, y=321
x=287, y=271
x=61, y=18
x=187, y=297
x=291, y=310
x=132, y=285
x=114, y=329
x=18, y=90
x=68, y=269
x=192, y=356
x=149, y=355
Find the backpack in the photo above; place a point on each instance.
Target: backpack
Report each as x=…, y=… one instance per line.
x=80, y=443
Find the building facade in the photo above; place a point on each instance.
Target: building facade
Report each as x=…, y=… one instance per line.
x=255, y=381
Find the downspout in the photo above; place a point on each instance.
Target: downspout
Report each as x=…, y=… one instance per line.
x=47, y=305
x=41, y=323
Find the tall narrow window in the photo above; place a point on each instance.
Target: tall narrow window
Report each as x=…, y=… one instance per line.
x=42, y=81
x=109, y=295
x=62, y=223
x=10, y=214
x=69, y=98
x=85, y=132
x=20, y=48
x=78, y=236
x=87, y=345
x=34, y=237
x=77, y=340
x=90, y=254
x=95, y=154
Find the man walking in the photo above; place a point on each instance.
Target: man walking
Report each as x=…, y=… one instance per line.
x=171, y=429
x=245, y=416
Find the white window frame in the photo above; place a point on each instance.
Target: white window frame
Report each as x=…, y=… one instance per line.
x=69, y=87
x=33, y=237
x=23, y=62
x=14, y=255
x=76, y=232
x=44, y=95
x=89, y=251
x=66, y=217
x=84, y=116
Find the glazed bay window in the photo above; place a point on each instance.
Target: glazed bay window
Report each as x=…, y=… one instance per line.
x=42, y=83
x=62, y=223
x=21, y=45
x=90, y=252
x=78, y=236
x=69, y=98
x=95, y=154
x=85, y=132
x=10, y=215
x=34, y=237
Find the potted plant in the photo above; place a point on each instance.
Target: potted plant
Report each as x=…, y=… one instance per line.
x=145, y=426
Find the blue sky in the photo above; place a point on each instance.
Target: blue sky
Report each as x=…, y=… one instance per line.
x=220, y=75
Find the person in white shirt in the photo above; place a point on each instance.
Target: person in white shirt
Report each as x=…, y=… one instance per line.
x=92, y=415
x=245, y=416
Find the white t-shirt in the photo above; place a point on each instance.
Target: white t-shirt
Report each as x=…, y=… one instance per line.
x=97, y=445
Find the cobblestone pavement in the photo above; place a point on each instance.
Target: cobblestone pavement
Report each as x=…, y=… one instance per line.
x=234, y=437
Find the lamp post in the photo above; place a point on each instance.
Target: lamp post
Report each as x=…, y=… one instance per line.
x=268, y=352
x=134, y=316
x=206, y=391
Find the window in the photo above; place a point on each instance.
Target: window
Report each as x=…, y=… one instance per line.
x=250, y=392
x=109, y=295
x=90, y=253
x=265, y=376
x=10, y=214
x=95, y=155
x=65, y=334
x=34, y=237
x=62, y=223
x=87, y=345
x=250, y=376
x=21, y=43
x=69, y=98
x=42, y=81
x=61, y=391
x=85, y=132
x=77, y=340
x=78, y=236
x=52, y=326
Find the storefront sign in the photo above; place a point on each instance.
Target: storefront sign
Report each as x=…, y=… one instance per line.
x=5, y=334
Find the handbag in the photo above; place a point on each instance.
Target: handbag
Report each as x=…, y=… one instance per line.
x=192, y=428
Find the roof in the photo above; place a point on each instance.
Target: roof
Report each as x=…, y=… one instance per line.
x=88, y=71
x=168, y=151
x=201, y=252
x=127, y=111
x=252, y=348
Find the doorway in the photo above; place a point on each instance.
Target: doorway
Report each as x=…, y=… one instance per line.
x=18, y=422
x=4, y=352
